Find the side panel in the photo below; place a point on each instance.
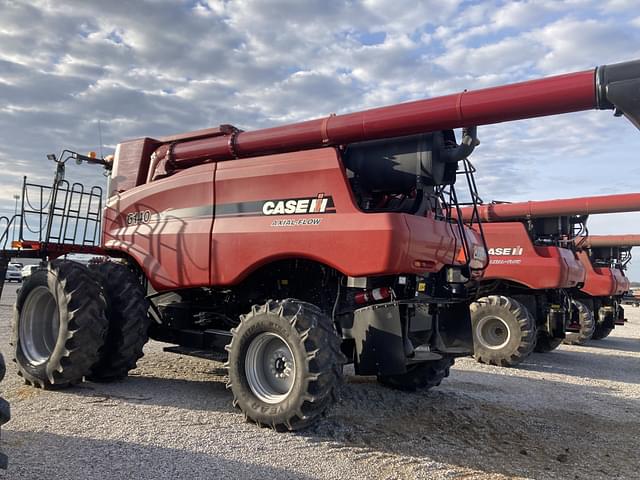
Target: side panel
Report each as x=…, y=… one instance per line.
x=599, y=282
x=623, y=285
x=166, y=227
x=513, y=257
x=299, y=205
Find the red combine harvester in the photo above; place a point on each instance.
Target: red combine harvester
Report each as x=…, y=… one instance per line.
x=529, y=295
x=605, y=258
x=283, y=251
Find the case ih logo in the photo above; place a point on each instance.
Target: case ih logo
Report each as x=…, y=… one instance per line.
x=318, y=204
x=506, y=251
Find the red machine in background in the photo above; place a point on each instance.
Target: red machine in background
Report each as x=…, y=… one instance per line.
x=285, y=251
x=529, y=296
x=605, y=258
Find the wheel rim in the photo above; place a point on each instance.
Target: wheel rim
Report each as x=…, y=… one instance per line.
x=39, y=325
x=493, y=332
x=270, y=367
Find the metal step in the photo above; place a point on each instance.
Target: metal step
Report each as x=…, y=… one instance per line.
x=195, y=352
x=422, y=354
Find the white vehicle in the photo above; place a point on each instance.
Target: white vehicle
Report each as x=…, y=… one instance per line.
x=13, y=274
x=28, y=270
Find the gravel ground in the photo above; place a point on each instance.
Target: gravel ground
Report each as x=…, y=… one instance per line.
x=572, y=413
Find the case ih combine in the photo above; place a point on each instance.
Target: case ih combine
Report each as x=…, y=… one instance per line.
x=530, y=295
x=605, y=258
x=286, y=251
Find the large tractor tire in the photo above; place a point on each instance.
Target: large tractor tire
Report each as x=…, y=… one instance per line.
x=59, y=325
x=601, y=331
x=585, y=321
x=546, y=343
x=285, y=364
x=5, y=414
x=504, y=331
x=127, y=313
x=420, y=376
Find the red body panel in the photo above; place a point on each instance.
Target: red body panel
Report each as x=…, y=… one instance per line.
x=622, y=282
x=500, y=212
x=174, y=246
x=522, y=262
x=183, y=246
x=601, y=281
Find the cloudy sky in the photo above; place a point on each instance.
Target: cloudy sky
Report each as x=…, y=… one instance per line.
x=160, y=67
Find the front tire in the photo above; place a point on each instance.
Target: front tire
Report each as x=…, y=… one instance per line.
x=285, y=364
x=504, y=331
x=421, y=376
x=5, y=414
x=59, y=325
x=585, y=321
x=127, y=313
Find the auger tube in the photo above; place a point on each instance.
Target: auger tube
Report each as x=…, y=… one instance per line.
x=614, y=86
x=609, y=241
x=502, y=212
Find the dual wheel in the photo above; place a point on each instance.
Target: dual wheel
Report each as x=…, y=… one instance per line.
x=505, y=332
x=72, y=322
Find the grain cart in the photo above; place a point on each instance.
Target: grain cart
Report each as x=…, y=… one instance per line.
x=529, y=295
x=285, y=251
x=605, y=258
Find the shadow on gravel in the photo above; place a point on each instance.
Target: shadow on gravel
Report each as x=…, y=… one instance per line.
x=470, y=422
x=622, y=344
x=617, y=368
x=470, y=431
x=169, y=392
x=36, y=455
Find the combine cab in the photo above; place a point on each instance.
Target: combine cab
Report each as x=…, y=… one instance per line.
x=285, y=252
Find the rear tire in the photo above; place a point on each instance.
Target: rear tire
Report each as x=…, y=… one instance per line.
x=127, y=313
x=285, y=364
x=504, y=331
x=59, y=325
x=586, y=322
x=420, y=376
x=601, y=331
x=5, y=413
x=546, y=344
